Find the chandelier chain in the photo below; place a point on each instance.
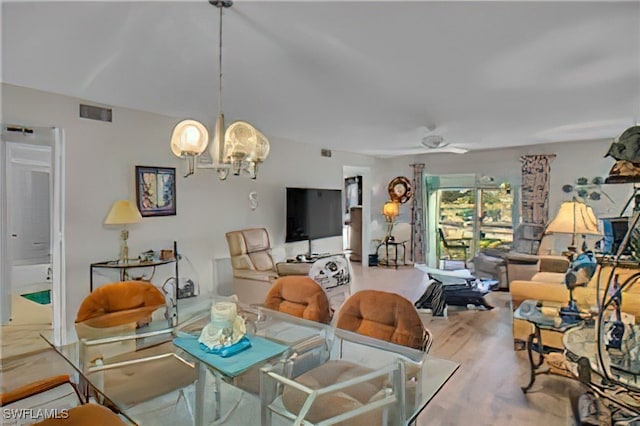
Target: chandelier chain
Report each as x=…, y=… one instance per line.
x=220, y=64
x=220, y=4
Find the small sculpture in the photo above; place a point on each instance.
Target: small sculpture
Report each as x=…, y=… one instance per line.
x=579, y=274
x=226, y=327
x=625, y=168
x=627, y=154
x=628, y=146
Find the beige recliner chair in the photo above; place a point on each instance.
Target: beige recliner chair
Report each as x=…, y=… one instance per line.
x=254, y=270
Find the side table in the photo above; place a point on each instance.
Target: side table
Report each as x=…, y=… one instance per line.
x=549, y=319
x=124, y=274
x=124, y=267
x=395, y=245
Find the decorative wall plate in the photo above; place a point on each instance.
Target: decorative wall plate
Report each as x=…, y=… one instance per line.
x=400, y=189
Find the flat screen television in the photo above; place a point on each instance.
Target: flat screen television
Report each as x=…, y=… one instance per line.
x=313, y=213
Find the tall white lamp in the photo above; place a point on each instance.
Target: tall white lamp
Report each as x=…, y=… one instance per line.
x=123, y=212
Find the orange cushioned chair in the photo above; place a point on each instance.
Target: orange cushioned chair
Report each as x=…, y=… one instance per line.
x=384, y=316
x=93, y=414
x=337, y=403
x=130, y=370
x=34, y=388
x=120, y=303
x=331, y=390
x=89, y=414
x=299, y=296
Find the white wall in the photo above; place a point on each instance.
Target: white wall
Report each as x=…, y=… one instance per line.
x=100, y=164
x=573, y=160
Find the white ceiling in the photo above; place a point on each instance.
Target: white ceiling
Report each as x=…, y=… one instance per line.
x=360, y=76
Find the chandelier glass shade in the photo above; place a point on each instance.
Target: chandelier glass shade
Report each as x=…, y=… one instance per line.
x=244, y=148
x=189, y=137
x=239, y=147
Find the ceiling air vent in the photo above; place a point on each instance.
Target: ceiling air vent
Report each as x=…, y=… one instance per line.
x=95, y=113
x=19, y=129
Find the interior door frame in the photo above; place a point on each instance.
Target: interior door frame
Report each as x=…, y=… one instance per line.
x=365, y=172
x=58, y=287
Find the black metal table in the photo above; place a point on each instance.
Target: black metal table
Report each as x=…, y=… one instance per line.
x=395, y=245
x=531, y=311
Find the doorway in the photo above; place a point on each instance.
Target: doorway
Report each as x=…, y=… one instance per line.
x=467, y=215
x=32, y=249
x=356, y=211
x=353, y=217
x=29, y=193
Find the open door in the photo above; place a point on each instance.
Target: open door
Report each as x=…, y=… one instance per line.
x=32, y=246
x=357, y=202
x=353, y=217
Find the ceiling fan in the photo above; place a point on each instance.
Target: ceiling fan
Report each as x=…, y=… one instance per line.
x=436, y=143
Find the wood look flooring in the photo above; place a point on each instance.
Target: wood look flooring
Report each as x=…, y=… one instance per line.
x=22, y=340
x=486, y=388
x=20, y=370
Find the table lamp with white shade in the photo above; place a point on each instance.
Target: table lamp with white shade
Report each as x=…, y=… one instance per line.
x=123, y=212
x=574, y=218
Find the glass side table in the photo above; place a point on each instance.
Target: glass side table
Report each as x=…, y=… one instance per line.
x=123, y=268
x=542, y=318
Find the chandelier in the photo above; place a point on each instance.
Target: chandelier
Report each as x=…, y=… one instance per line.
x=239, y=148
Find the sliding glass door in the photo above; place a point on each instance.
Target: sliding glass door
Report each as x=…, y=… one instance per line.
x=495, y=216
x=456, y=225
x=466, y=215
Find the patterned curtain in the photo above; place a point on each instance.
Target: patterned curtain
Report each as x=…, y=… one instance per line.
x=418, y=247
x=535, y=188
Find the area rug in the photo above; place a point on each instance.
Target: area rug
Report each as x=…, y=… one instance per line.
x=41, y=297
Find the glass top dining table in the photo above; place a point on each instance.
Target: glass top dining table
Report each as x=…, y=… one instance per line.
x=151, y=376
